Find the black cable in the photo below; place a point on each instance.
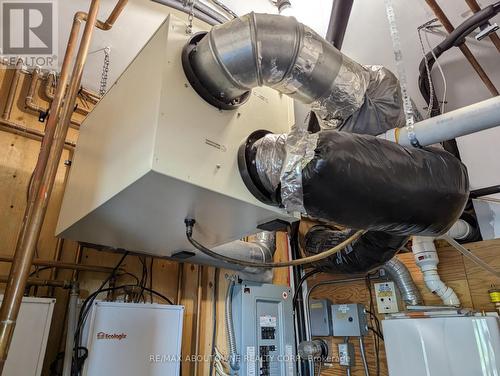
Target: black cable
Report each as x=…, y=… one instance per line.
x=143, y=279
x=214, y=321
x=454, y=39
x=85, y=308
x=294, y=262
x=39, y=270
x=151, y=279
x=130, y=274
x=377, y=336
x=301, y=282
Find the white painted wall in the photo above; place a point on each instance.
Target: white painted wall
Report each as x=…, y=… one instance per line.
x=367, y=41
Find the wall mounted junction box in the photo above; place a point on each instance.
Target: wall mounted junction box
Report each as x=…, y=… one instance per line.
x=349, y=320
x=153, y=152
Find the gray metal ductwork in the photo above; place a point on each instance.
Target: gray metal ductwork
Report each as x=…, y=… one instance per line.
x=426, y=189
x=279, y=52
x=261, y=249
x=400, y=274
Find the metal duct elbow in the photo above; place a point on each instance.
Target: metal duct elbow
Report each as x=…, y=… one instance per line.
x=279, y=52
x=260, y=249
x=399, y=273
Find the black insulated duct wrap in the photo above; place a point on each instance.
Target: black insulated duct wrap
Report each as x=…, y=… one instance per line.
x=364, y=182
x=373, y=249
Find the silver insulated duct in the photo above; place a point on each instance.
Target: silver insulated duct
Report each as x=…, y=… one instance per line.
x=400, y=274
x=279, y=52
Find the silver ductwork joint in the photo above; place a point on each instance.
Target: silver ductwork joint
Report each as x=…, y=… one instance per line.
x=399, y=273
x=279, y=52
x=260, y=249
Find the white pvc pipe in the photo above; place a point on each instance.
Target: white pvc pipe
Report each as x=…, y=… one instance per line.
x=460, y=230
x=466, y=120
x=70, y=329
x=427, y=259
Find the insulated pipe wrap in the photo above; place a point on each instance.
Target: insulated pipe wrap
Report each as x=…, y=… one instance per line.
x=279, y=52
x=361, y=181
x=370, y=251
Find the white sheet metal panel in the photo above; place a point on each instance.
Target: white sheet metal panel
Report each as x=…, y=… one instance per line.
x=153, y=152
x=448, y=346
x=128, y=339
x=27, y=350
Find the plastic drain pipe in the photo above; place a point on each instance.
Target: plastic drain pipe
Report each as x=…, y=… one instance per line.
x=427, y=259
x=466, y=120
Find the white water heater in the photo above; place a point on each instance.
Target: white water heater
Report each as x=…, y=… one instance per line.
x=153, y=152
x=443, y=346
x=129, y=339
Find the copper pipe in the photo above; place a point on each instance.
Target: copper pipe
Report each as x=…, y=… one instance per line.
x=441, y=16
x=93, y=97
x=199, y=295
x=29, y=100
x=180, y=277
x=51, y=78
x=64, y=265
x=44, y=175
x=54, y=114
x=32, y=134
x=43, y=181
x=41, y=282
x=495, y=39
x=12, y=90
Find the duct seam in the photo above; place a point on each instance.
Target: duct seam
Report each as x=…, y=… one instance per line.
x=300, y=147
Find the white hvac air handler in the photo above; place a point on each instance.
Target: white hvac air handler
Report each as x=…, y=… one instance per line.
x=153, y=152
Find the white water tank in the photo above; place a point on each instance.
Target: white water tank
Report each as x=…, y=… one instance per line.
x=153, y=152
x=443, y=346
x=128, y=339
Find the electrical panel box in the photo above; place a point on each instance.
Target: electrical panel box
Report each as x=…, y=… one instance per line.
x=133, y=339
x=320, y=315
x=153, y=152
x=264, y=329
x=27, y=350
x=387, y=301
x=349, y=320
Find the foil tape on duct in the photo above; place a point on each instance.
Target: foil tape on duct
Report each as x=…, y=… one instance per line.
x=363, y=182
x=279, y=52
x=354, y=180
